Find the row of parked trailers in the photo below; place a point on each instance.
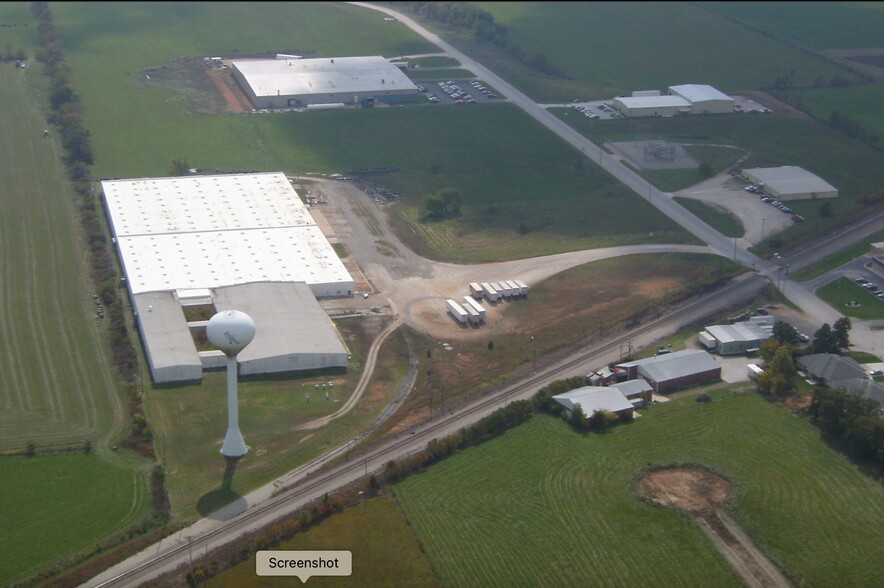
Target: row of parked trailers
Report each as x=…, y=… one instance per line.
x=468, y=311
x=494, y=291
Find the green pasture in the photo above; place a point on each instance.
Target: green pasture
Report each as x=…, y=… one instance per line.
x=840, y=292
x=384, y=549
x=17, y=27
x=862, y=104
x=189, y=424
x=56, y=506
x=819, y=25
x=545, y=505
x=611, y=48
x=722, y=221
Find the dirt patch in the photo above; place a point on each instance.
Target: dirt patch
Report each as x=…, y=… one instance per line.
x=696, y=491
x=229, y=90
x=797, y=402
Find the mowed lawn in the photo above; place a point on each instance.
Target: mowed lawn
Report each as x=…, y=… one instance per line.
x=545, y=506
x=384, y=549
x=56, y=506
x=841, y=292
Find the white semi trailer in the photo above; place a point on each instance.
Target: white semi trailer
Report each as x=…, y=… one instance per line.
x=491, y=293
x=476, y=291
x=523, y=287
x=470, y=302
x=472, y=314
x=457, y=311
x=514, y=287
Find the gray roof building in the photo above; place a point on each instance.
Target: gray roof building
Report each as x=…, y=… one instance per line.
x=790, y=182
x=674, y=370
x=842, y=373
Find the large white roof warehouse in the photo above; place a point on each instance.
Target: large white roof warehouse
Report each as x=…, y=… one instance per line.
x=295, y=83
x=185, y=233
x=228, y=241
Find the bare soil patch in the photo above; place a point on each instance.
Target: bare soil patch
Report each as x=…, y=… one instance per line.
x=700, y=493
x=696, y=491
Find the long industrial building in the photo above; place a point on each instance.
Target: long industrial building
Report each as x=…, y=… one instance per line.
x=287, y=82
x=683, y=99
x=243, y=242
x=790, y=182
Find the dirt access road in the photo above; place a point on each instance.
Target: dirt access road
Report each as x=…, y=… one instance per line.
x=414, y=288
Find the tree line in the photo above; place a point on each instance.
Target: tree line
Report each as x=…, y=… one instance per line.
x=480, y=23
x=854, y=422
x=66, y=115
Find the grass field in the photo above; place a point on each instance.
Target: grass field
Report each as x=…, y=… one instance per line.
x=811, y=24
x=384, y=549
x=862, y=104
x=189, y=424
x=836, y=260
x=543, y=505
x=55, y=506
x=723, y=222
x=591, y=49
x=843, y=290
x=57, y=384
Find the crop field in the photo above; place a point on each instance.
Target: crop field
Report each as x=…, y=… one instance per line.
x=811, y=23
x=863, y=104
x=615, y=48
x=843, y=291
x=57, y=384
x=543, y=505
x=60, y=505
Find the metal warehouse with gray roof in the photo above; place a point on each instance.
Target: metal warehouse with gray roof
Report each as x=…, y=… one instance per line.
x=790, y=182
x=675, y=370
x=235, y=242
x=288, y=82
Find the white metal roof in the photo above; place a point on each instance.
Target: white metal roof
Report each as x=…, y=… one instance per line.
x=738, y=332
x=790, y=179
x=327, y=75
x=202, y=232
x=699, y=92
x=654, y=102
x=593, y=398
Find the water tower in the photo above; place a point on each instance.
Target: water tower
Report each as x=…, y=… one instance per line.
x=230, y=331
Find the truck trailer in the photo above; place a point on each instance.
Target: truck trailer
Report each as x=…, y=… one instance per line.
x=470, y=302
x=457, y=311
x=476, y=291
x=491, y=293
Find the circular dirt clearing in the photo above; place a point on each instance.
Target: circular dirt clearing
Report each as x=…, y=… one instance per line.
x=695, y=491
